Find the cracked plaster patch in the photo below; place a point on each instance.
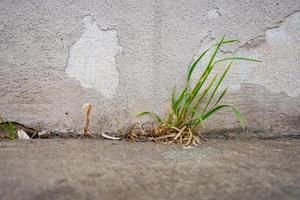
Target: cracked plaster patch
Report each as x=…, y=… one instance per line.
x=278, y=49
x=213, y=14
x=92, y=59
x=279, y=70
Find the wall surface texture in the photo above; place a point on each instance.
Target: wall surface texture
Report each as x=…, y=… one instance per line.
x=125, y=56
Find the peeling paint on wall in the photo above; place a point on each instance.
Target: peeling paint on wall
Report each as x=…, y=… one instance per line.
x=274, y=73
x=92, y=59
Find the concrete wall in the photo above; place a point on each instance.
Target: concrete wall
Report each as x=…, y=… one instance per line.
x=124, y=56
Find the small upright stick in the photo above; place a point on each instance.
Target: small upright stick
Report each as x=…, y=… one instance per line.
x=88, y=108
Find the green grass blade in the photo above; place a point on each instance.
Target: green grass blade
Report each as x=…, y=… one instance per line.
x=173, y=98
x=179, y=100
x=215, y=52
x=226, y=42
x=229, y=41
x=208, y=69
x=153, y=115
x=217, y=108
x=177, y=105
x=201, y=81
x=204, y=75
x=204, y=93
x=212, y=111
x=236, y=58
x=217, y=86
x=220, y=98
x=202, y=55
x=190, y=71
x=239, y=116
x=198, y=120
x=12, y=130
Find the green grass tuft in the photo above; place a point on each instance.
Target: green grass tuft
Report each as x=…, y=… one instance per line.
x=193, y=105
x=9, y=128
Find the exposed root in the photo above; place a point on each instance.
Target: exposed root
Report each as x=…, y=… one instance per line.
x=164, y=133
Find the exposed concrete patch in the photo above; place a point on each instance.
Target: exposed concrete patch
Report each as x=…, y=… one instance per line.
x=259, y=39
x=92, y=59
x=272, y=72
x=285, y=39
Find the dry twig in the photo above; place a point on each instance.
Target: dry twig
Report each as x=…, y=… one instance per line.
x=86, y=128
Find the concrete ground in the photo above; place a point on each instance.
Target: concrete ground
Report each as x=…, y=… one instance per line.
x=97, y=169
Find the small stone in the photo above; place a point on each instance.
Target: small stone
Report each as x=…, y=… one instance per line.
x=44, y=134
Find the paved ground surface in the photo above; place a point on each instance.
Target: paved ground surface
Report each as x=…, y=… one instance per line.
x=97, y=169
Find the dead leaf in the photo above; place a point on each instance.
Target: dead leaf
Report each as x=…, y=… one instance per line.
x=22, y=134
x=109, y=137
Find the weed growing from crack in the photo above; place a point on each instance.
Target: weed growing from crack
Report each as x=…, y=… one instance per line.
x=193, y=105
x=9, y=128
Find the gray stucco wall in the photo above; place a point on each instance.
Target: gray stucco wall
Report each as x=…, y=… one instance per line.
x=124, y=56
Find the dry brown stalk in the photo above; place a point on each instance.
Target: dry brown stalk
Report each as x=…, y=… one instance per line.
x=88, y=108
